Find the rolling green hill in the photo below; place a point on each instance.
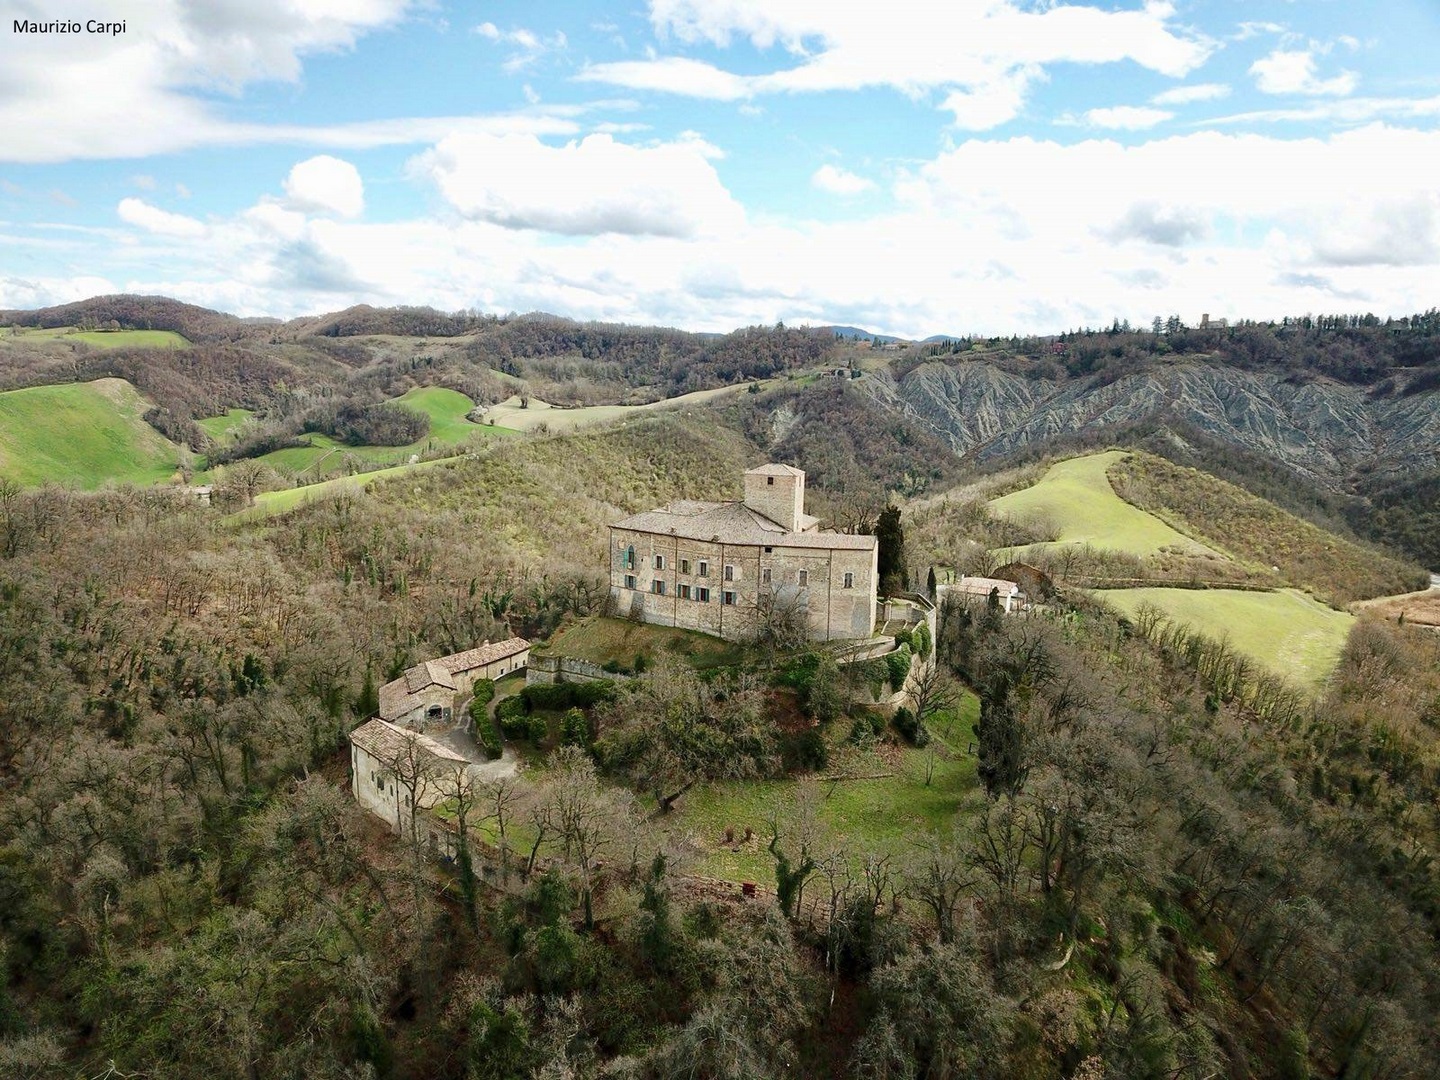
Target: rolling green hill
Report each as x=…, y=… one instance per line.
x=1075, y=497
x=81, y=434
x=1288, y=632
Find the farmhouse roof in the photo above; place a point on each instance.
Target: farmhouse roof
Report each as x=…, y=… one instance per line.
x=386, y=742
x=488, y=653
x=736, y=523
x=399, y=696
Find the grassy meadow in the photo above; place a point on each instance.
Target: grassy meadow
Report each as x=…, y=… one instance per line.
x=1076, y=497
x=81, y=435
x=890, y=811
x=1287, y=631
x=223, y=428
x=449, y=427
x=103, y=339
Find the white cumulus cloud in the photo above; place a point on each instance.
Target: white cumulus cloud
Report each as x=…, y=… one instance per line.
x=838, y=181
x=1293, y=71
x=326, y=185
x=593, y=186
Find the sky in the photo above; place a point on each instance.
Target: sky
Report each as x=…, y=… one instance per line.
x=911, y=167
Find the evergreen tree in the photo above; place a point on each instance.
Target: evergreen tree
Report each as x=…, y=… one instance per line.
x=891, y=562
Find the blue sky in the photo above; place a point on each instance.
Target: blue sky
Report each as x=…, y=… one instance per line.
x=977, y=166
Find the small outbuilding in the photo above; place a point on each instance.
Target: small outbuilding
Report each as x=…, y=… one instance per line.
x=426, y=694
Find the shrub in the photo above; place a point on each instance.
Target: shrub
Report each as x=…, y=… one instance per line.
x=910, y=726
x=805, y=751
x=512, y=716
x=920, y=641
x=898, y=663
x=905, y=637
x=484, y=693
x=548, y=696
x=574, y=729
x=589, y=694
x=538, y=729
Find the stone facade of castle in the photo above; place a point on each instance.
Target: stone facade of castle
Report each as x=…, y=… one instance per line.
x=727, y=568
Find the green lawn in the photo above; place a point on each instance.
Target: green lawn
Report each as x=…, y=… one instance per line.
x=223, y=428
x=889, y=814
x=1287, y=631
x=1076, y=495
x=81, y=434
x=601, y=640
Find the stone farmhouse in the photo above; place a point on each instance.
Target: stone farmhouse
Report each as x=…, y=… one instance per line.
x=424, y=696
x=724, y=567
x=395, y=773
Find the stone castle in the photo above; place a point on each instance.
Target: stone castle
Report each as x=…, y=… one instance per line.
x=724, y=568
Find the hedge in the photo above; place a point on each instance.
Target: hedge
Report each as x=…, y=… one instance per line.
x=898, y=663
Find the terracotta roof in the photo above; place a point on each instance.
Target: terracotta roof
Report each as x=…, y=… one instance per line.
x=398, y=696
x=488, y=653
x=774, y=469
x=734, y=523
x=428, y=673
x=386, y=742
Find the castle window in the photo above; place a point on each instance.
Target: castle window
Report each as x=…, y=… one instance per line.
x=729, y=573
x=803, y=578
x=765, y=576
x=659, y=562
x=627, y=558
x=704, y=568
x=629, y=581
x=684, y=566
x=657, y=587
x=769, y=481
x=684, y=591
x=849, y=580
x=703, y=595
x=727, y=598
x=768, y=550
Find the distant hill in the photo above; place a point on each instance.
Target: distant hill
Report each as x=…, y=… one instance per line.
x=128, y=312
x=857, y=332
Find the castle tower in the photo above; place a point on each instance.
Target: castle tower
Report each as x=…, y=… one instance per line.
x=778, y=492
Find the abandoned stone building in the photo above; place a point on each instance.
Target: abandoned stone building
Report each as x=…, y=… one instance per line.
x=725, y=567
x=424, y=696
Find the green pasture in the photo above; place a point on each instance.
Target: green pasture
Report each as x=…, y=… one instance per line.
x=104, y=339
x=223, y=428
x=449, y=427
x=1287, y=631
x=81, y=435
x=890, y=813
x=1076, y=495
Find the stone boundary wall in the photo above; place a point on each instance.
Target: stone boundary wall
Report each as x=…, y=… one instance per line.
x=553, y=669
